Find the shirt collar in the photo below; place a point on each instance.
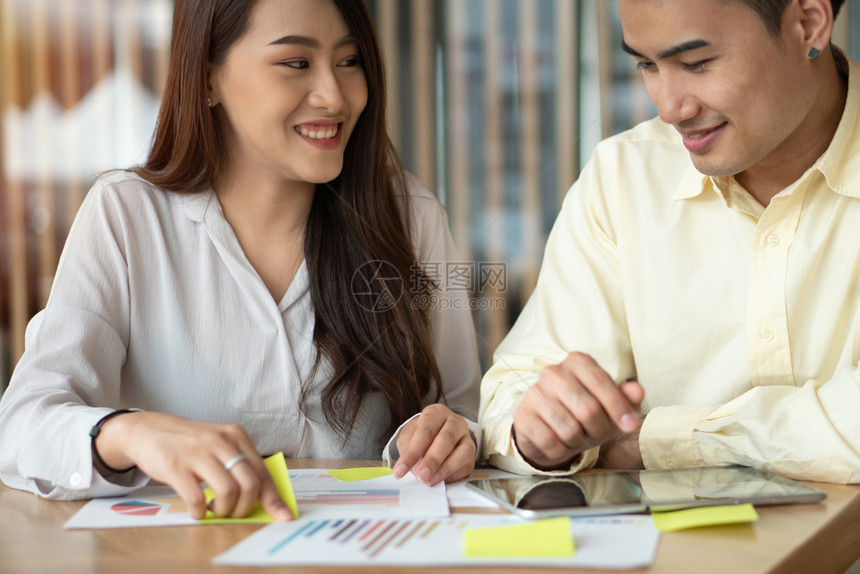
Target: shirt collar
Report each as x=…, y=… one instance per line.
x=196, y=204
x=840, y=163
x=692, y=184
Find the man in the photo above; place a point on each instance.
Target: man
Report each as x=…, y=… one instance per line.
x=699, y=301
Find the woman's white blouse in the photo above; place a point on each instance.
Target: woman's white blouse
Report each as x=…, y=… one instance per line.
x=155, y=306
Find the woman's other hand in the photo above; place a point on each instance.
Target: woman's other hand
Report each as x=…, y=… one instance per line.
x=436, y=446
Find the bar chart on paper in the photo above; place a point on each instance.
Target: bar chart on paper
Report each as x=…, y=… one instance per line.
x=359, y=540
x=435, y=541
x=377, y=497
x=366, y=537
x=320, y=495
x=323, y=488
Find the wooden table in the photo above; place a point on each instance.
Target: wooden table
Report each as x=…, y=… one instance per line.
x=804, y=538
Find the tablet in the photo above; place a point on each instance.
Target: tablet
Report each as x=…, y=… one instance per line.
x=618, y=492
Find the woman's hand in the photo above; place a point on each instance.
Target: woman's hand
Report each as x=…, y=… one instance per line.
x=183, y=453
x=436, y=446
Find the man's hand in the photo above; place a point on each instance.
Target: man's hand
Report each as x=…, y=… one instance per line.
x=436, y=446
x=574, y=406
x=622, y=451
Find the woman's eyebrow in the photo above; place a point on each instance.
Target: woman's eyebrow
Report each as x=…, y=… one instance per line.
x=311, y=42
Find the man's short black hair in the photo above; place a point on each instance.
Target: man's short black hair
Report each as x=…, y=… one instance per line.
x=770, y=11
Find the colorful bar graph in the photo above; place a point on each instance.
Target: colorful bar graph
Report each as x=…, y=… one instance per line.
x=368, y=537
x=380, y=497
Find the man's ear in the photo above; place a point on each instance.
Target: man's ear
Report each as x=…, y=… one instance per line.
x=813, y=22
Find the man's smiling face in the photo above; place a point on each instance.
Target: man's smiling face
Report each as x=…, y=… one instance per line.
x=732, y=89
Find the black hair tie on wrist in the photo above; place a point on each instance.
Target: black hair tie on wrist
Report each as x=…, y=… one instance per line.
x=94, y=432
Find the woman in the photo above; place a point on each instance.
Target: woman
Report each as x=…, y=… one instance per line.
x=252, y=288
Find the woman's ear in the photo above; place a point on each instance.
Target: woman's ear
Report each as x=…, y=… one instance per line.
x=211, y=94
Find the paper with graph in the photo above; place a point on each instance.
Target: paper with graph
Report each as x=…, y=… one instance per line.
x=438, y=541
x=321, y=495
x=318, y=495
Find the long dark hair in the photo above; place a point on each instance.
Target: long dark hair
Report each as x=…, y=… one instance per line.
x=358, y=229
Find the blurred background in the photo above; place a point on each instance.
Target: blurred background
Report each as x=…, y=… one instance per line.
x=495, y=105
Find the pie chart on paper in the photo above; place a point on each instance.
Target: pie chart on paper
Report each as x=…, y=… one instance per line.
x=136, y=508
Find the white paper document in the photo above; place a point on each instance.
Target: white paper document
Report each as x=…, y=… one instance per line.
x=610, y=542
x=318, y=494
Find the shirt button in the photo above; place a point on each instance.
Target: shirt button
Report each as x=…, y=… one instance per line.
x=766, y=335
x=773, y=240
x=76, y=479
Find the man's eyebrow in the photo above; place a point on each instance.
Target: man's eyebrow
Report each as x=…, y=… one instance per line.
x=311, y=42
x=673, y=51
x=630, y=50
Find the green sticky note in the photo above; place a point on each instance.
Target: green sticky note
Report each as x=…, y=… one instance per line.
x=550, y=537
x=706, y=516
x=360, y=473
x=277, y=467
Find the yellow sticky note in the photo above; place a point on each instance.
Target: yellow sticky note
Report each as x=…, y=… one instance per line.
x=550, y=537
x=277, y=467
x=706, y=516
x=360, y=473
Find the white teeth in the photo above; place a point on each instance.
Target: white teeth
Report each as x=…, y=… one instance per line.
x=319, y=135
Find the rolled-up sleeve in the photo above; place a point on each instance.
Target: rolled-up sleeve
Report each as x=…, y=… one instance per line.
x=807, y=433
x=75, y=349
x=576, y=306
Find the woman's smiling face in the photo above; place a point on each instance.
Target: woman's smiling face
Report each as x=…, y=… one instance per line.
x=289, y=93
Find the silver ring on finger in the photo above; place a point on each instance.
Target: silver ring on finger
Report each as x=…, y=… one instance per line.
x=228, y=466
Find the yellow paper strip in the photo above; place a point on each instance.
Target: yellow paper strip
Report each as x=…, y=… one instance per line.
x=277, y=467
x=550, y=537
x=360, y=473
x=706, y=516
